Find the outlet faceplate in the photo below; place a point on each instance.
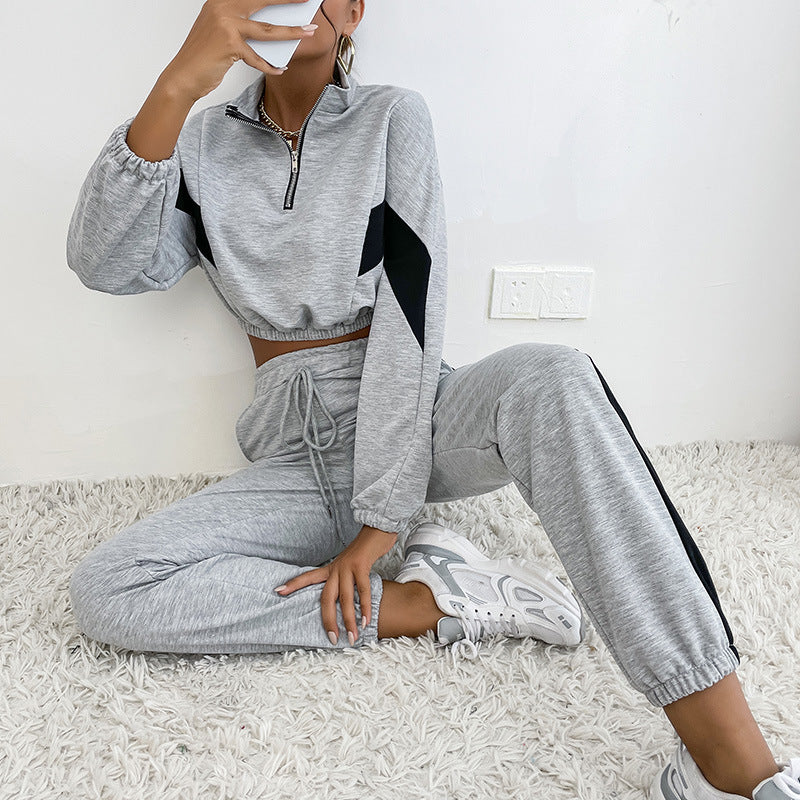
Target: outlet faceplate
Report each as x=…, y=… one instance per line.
x=516, y=292
x=541, y=292
x=566, y=293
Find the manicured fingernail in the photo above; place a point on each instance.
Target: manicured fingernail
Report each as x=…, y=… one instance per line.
x=363, y=622
x=309, y=27
x=351, y=638
x=280, y=588
x=333, y=637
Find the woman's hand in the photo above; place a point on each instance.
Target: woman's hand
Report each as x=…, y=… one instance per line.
x=351, y=566
x=216, y=42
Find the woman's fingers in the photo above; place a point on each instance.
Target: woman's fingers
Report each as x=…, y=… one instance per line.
x=346, y=582
x=305, y=579
x=328, y=601
x=364, y=598
x=339, y=586
x=252, y=29
x=253, y=59
x=347, y=601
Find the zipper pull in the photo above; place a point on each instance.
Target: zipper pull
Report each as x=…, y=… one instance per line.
x=294, y=160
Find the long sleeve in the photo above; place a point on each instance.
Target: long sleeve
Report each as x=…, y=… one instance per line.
x=126, y=235
x=393, y=451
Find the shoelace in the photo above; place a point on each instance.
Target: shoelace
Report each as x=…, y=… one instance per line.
x=473, y=631
x=789, y=779
x=302, y=375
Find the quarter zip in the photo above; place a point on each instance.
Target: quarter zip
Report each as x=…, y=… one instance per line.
x=288, y=200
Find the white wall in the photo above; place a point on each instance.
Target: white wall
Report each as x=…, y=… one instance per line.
x=656, y=142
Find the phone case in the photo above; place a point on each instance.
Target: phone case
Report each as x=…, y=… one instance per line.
x=279, y=52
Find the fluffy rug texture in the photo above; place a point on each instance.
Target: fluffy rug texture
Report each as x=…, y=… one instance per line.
x=396, y=719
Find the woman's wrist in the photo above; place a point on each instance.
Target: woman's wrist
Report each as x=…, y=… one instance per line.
x=376, y=541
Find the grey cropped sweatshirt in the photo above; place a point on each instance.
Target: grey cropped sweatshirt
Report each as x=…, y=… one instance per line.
x=347, y=231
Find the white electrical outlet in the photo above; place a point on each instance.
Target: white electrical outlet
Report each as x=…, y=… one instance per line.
x=516, y=292
x=566, y=293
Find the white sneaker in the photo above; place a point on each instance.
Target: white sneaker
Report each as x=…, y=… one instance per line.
x=483, y=597
x=681, y=779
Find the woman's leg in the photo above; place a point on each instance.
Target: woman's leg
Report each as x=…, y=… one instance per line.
x=407, y=609
x=723, y=738
x=542, y=416
x=198, y=576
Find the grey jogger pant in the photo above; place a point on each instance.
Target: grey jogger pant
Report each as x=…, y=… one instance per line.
x=198, y=575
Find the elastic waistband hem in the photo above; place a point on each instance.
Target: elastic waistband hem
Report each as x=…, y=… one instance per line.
x=306, y=334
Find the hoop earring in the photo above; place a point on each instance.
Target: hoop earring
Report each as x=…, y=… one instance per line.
x=346, y=43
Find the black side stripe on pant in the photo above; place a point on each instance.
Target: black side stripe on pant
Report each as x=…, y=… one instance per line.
x=695, y=556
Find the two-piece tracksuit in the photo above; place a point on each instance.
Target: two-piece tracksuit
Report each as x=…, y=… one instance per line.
x=350, y=231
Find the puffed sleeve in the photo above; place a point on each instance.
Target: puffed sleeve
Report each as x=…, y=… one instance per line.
x=131, y=230
x=393, y=453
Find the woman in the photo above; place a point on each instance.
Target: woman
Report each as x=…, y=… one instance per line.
x=315, y=207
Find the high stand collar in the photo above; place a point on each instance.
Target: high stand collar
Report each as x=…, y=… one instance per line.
x=335, y=98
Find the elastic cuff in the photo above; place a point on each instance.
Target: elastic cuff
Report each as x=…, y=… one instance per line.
x=376, y=520
x=699, y=677
x=116, y=148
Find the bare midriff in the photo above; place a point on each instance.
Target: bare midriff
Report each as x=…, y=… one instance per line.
x=265, y=349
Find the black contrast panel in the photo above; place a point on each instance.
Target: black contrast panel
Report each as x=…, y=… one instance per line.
x=407, y=264
x=185, y=203
x=372, y=252
x=695, y=556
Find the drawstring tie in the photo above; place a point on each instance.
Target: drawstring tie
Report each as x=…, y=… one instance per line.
x=304, y=374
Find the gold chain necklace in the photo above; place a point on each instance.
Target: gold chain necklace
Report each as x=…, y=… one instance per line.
x=265, y=118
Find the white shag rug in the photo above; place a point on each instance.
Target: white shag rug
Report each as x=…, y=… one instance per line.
x=393, y=720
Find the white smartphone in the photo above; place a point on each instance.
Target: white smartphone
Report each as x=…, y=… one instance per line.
x=278, y=52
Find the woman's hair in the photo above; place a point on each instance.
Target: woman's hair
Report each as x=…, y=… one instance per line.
x=339, y=39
